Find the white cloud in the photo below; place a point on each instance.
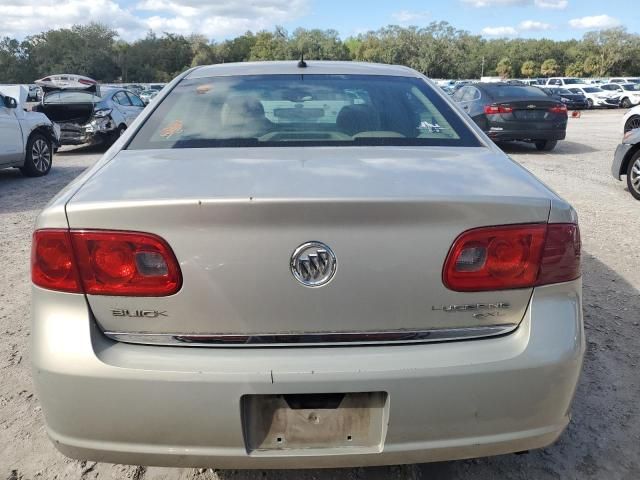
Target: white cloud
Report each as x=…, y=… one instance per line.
x=534, y=26
x=407, y=16
x=553, y=4
x=595, y=22
x=213, y=18
x=500, y=31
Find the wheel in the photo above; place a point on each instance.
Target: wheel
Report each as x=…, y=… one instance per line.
x=626, y=103
x=589, y=103
x=118, y=133
x=633, y=176
x=632, y=123
x=39, y=156
x=546, y=145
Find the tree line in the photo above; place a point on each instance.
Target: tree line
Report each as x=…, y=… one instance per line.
x=438, y=50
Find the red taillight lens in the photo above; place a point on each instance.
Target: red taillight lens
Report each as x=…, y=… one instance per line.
x=497, y=109
x=110, y=263
x=518, y=256
x=558, y=109
x=52, y=262
x=561, y=256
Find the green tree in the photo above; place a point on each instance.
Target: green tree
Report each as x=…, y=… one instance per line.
x=549, y=68
x=575, y=69
x=529, y=69
x=505, y=68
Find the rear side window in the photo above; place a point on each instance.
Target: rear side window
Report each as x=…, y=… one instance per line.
x=122, y=99
x=302, y=110
x=513, y=91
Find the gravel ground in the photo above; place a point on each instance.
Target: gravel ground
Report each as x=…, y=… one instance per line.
x=603, y=440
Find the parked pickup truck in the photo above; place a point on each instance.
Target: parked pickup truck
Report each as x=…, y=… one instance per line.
x=27, y=139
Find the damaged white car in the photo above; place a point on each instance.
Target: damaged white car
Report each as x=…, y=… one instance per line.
x=27, y=139
x=86, y=113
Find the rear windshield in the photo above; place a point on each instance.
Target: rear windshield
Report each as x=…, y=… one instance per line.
x=513, y=91
x=307, y=110
x=573, y=81
x=71, y=96
x=593, y=89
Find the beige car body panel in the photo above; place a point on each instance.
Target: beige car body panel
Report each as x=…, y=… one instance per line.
x=122, y=402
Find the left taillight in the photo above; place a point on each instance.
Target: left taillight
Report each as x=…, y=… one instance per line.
x=99, y=262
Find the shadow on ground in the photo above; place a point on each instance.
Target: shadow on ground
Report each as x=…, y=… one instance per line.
x=564, y=148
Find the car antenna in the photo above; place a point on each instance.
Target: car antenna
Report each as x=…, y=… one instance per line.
x=302, y=63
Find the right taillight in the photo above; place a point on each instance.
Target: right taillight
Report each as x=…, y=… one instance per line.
x=99, y=262
x=514, y=256
x=562, y=109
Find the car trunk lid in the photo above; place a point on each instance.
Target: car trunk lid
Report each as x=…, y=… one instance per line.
x=234, y=217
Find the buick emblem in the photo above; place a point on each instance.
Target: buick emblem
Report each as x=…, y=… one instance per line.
x=313, y=264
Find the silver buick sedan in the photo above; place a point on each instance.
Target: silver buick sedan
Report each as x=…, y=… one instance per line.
x=296, y=265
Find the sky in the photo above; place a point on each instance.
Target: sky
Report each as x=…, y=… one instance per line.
x=219, y=20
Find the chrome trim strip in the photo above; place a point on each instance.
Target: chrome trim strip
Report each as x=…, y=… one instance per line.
x=313, y=339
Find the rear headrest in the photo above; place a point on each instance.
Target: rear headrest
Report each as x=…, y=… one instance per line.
x=354, y=119
x=238, y=111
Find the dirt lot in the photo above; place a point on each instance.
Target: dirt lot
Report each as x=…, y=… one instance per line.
x=602, y=442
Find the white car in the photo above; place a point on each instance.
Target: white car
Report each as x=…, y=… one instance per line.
x=565, y=82
x=625, y=80
x=27, y=139
x=631, y=120
x=629, y=93
x=597, y=97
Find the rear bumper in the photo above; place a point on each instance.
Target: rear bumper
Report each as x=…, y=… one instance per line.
x=525, y=135
x=176, y=406
x=96, y=131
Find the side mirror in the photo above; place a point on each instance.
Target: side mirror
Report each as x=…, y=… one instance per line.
x=10, y=102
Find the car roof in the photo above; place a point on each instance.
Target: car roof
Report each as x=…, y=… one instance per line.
x=291, y=68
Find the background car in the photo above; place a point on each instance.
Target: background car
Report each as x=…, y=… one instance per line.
x=629, y=93
x=508, y=112
x=92, y=114
x=625, y=80
x=631, y=120
x=564, y=81
x=147, y=95
x=626, y=162
x=27, y=139
x=573, y=101
x=597, y=97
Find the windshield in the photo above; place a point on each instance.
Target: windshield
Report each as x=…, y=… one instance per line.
x=71, y=96
x=632, y=87
x=572, y=81
x=593, y=89
x=513, y=91
x=308, y=110
x=563, y=91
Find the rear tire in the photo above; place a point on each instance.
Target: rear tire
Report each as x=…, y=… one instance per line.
x=626, y=103
x=546, y=145
x=632, y=123
x=633, y=176
x=39, y=156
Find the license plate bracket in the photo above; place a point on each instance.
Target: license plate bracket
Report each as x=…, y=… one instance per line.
x=314, y=421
